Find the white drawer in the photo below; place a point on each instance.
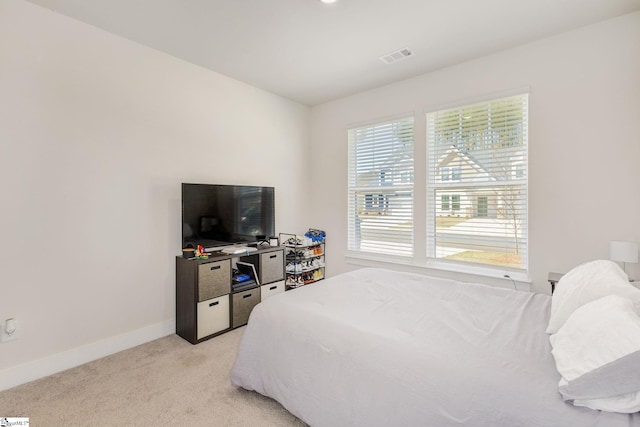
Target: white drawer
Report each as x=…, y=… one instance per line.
x=271, y=289
x=213, y=316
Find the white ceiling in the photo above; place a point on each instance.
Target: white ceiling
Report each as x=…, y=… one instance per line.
x=313, y=52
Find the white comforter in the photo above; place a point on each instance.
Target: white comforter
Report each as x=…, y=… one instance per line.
x=381, y=348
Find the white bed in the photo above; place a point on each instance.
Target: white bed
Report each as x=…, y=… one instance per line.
x=381, y=348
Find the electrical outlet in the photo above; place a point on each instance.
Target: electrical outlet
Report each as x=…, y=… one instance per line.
x=4, y=336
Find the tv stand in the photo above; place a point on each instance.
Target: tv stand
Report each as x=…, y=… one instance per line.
x=206, y=305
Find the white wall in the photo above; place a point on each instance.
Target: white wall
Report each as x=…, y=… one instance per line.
x=584, y=140
x=96, y=135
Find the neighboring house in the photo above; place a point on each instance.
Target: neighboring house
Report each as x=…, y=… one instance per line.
x=397, y=171
x=486, y=198
x=455, y=169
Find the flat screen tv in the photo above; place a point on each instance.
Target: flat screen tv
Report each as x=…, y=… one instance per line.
x=219, y=215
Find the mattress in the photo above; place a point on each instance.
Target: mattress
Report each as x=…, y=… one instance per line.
x=377, y=347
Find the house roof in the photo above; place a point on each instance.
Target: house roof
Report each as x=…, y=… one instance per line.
x=454, y=153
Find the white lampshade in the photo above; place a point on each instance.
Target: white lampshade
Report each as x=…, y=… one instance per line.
x=624, y=251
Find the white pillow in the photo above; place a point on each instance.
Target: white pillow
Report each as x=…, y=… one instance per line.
x=586, y=283
x=597, y=353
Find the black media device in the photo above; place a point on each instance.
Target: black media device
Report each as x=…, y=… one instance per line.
x=220, y=215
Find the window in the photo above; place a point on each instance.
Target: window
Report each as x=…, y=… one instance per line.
x=445, y=202
x=476, y=192
x=380, y=188
x=455, y=202
x=518, y=170
x=450, y=202
x=455, y=174
x=488, y=186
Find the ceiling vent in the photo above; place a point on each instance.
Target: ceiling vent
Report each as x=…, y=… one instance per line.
x=396, y=56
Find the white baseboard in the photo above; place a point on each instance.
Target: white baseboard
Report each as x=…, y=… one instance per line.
x=37, y=369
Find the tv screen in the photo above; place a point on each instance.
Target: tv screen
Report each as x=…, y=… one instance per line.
x=219, y=215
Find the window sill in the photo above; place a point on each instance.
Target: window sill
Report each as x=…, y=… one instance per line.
x=443, y=269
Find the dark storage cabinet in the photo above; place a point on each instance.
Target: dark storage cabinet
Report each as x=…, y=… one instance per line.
x=205, y=303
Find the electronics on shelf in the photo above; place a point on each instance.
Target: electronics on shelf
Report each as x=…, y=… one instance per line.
x=215, y=216
x=235, y=250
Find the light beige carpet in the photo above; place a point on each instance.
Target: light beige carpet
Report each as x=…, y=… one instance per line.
x=167, y=382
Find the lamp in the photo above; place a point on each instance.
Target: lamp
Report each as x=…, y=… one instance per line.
x=624, y=252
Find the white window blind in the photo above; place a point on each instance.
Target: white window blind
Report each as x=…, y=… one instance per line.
x=380, y=188
x=486, y=145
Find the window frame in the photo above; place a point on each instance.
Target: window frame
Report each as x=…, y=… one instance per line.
x=393, y=186
x=422, y=202
x=518, y=171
